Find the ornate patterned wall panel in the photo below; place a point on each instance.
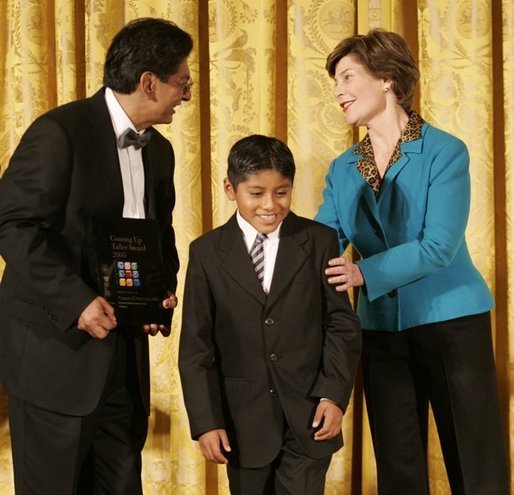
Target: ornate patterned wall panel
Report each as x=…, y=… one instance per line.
x=242, y=75
x=103, y=19
x=456, y=89
x=171, y=460
x=508, y=105
x=317, y=131
x=374, y=14
x=29, y=68
x=28, y=65
x=68, y=45
x=455, y=41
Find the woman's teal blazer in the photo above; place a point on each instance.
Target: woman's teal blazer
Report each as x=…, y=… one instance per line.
x=411, y=237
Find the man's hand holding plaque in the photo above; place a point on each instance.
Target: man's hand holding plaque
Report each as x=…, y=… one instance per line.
x=153, y=328
x=128, y=273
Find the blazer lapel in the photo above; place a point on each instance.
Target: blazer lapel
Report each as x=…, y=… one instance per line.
x=407, y=149
x=290, y=257
x=236, y=261
x=363, y=190
x=104, y=142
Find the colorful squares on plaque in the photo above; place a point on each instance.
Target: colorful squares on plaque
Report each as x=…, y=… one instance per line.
x=128, y=274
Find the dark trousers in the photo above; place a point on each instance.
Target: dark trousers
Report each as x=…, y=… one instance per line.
x=100, y=454
x=291, y=473
x=451, y=366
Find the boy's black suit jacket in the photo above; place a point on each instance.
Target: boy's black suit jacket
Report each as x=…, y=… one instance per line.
x=64, y=172
x=247, y=359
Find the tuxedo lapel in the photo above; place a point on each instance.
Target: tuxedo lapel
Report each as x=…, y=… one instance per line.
x=104, y=144
x=290, y=256
x=236, y=261
x=150, y=155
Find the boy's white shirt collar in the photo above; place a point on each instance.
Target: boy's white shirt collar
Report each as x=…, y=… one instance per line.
x=270, y=247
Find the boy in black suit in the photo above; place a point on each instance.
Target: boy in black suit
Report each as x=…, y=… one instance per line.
x=268, y=353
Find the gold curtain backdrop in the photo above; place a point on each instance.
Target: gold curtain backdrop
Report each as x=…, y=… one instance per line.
x=258, y=67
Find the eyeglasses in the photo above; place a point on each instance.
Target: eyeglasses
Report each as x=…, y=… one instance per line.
x=186, y=85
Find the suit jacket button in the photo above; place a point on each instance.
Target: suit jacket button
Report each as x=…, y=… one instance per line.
x=273, y=392
x=273, y=357
x=269, y=321
x=392, y=293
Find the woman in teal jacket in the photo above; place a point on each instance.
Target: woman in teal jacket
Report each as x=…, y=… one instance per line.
x=401, y=197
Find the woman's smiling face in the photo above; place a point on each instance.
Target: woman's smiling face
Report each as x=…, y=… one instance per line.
x=359, y=93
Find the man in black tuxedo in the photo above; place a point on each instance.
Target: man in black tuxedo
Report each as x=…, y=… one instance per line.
x=78, y=383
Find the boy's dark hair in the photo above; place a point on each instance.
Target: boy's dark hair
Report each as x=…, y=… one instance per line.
x=146, y=44
x=254, y=153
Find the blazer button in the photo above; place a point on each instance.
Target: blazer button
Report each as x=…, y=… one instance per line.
x=392, y=293
x=273, y=392
x=269, y=321
x=273, y=357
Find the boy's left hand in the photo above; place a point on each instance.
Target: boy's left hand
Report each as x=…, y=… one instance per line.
x=330, y=416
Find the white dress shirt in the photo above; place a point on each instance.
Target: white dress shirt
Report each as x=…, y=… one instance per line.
x=270, y=246
x=131, y=161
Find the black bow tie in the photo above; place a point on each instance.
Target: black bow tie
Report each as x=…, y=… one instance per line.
x=132, y=138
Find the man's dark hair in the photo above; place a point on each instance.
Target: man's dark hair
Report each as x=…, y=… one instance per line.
x=146, y=44
x=254, y=153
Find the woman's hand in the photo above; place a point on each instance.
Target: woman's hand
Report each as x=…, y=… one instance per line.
x=344, y=273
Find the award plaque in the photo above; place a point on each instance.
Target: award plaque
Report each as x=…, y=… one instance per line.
x=125, y=257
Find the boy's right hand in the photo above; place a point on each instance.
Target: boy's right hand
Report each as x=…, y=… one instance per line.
x=212, y=443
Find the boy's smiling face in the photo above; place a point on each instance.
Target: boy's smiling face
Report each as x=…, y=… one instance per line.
x=263, y=199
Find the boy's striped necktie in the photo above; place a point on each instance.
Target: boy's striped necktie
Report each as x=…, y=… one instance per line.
x=257, y=255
